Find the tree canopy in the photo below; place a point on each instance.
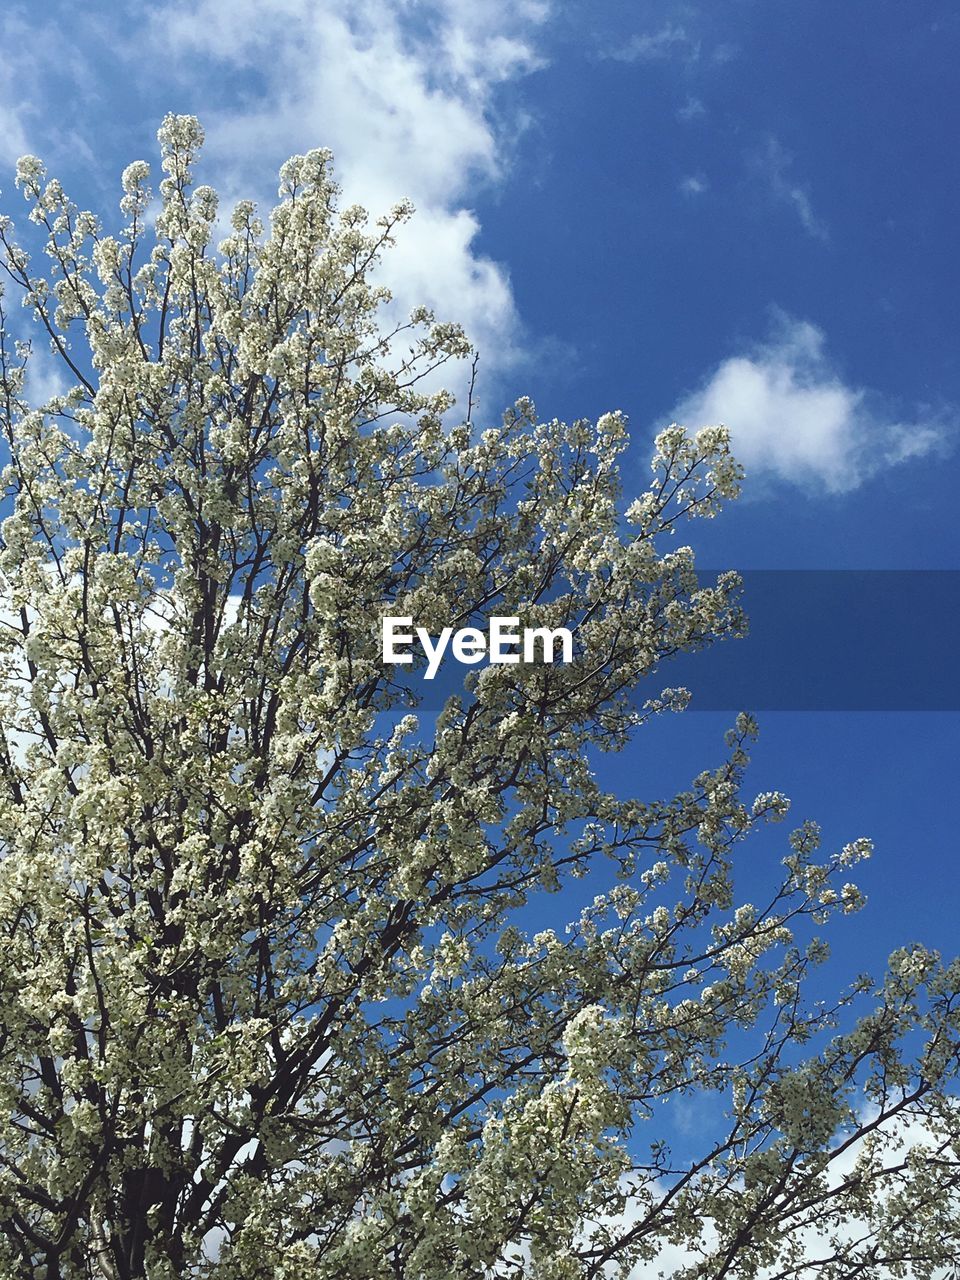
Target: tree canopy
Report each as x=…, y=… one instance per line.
x=271, y=1002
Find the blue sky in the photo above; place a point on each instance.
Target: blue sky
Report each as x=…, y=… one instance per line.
x=742, y=211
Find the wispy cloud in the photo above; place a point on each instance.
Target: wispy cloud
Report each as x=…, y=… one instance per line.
x=724, y=52
x=775, y=165
x=14, y=85
x=669, y=41
x=47, y=84
x=692, y=109
x=794, y=419
x=694, y=184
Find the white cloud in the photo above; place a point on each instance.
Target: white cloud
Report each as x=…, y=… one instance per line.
x=407, y=97
x=695, y=184
x=792, y=418
x=45, y=374
x=13, y=137
x=669, y=41
x=724, y=53
x=13, y=96
x=692, y=109
x=46, y=84
x=776, y=166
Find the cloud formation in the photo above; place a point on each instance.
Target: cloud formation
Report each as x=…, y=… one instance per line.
x=794, y=419
x=13, y=133
x=692, y=109
x=694, y=184
x=669, y=41
x=775, y=164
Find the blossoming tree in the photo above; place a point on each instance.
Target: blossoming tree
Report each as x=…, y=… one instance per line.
x=270, y=1005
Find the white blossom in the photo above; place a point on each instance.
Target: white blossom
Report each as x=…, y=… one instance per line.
x=272, y=998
